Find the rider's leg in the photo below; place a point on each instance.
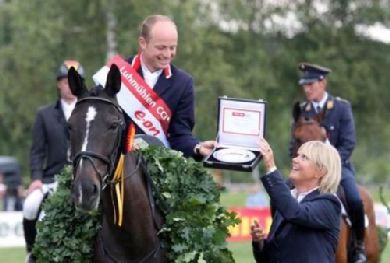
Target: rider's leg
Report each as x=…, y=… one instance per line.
x=30, y=214
x=29, y=233
x=356, y=211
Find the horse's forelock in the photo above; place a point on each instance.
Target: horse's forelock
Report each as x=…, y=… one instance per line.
x=96, y=91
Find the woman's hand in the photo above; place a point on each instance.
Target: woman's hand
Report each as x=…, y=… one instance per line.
x=268, y=155
x=257, y=232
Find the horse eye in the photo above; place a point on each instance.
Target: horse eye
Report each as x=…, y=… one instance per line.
x=114, y=125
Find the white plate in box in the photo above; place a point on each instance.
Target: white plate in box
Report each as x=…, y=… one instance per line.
x=234, y=155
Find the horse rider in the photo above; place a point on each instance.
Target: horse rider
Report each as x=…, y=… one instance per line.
x=339, y=125
x=166, y=89
x=49, y=150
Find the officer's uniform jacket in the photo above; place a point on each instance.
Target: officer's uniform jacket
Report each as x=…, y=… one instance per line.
x=339, y=124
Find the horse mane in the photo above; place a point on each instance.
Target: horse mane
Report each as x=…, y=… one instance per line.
x=296, y=112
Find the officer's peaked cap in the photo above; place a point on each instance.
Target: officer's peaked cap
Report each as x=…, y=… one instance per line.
x=311, y=73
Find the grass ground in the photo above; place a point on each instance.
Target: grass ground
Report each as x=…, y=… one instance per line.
x=241, y=250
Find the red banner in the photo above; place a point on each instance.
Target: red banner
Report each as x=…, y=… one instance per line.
x=144, y=94
x=241, y=232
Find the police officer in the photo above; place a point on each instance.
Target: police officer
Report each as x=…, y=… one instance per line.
x=340, y=127
x=48, y=150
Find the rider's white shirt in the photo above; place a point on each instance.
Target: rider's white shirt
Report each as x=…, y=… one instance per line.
x=150, y=77
x=321, y=103
x=67, y=108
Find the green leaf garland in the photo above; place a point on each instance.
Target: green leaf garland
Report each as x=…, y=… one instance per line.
x=65, y=234
x=196, y=225
x=195, y=228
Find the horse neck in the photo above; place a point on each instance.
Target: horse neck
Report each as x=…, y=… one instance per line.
x=137, y=232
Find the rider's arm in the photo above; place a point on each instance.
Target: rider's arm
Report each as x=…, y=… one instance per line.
x=347, y=135
x=183, y=120
x=38, y=148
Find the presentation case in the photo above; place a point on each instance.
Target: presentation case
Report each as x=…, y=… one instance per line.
x=241, y=122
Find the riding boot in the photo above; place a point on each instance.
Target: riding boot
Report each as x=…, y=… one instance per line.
x=359, y=255
x=29, y=237
x=359, y=252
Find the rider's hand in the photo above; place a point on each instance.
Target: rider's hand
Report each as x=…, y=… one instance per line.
x=257, y=232
x=206, y=147
x=36, y=184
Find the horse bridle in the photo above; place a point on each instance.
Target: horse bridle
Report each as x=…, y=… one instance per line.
x=111, y=164
x=111, y=161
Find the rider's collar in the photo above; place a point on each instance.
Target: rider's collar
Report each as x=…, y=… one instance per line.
x=136, y=64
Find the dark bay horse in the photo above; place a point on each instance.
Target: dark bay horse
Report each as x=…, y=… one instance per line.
x=97, y=131
x=309, y=129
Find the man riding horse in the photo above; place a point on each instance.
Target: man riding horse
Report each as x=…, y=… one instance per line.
x=48, y=150
x=161, y=104
x=339, y=124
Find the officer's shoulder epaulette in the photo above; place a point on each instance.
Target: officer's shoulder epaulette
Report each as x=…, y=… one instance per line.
x=305, y=106
x=302, y=104
x=342, y=100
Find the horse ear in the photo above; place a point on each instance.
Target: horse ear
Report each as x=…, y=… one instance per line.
x=296, y=112
x=113, y=84
x=76, y=83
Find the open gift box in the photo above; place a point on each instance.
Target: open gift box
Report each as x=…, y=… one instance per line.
x=241, y=123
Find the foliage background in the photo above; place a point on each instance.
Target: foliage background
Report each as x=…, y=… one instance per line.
x=237, y=48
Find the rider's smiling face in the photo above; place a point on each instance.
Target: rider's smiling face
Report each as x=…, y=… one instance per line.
x=159, y=48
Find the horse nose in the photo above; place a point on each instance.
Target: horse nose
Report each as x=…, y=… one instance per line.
x=86, y=193
x=95, y=189
x=76, y=195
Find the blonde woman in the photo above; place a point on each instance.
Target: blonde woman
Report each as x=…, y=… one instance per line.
x=306, y=221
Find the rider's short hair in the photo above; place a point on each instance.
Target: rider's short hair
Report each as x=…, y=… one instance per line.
x=147, y=24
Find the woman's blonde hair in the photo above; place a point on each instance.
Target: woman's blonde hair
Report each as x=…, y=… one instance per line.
x=327, y=158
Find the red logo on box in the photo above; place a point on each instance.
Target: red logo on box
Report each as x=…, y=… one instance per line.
x=238, y=114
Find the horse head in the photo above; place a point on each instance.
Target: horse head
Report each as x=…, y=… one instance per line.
x=95, y=128
x=306, y=128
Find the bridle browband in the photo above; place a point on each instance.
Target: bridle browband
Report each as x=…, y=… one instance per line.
x=110, y=161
